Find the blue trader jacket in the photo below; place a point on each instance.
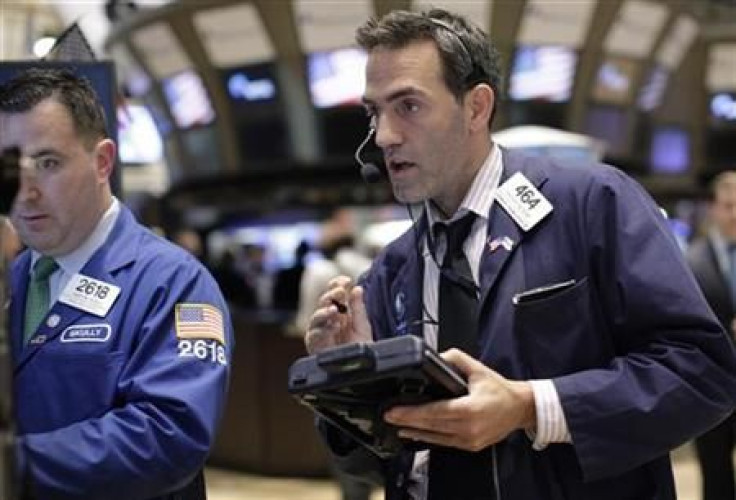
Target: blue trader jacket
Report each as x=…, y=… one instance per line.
x=639, y=362
x=123, y=405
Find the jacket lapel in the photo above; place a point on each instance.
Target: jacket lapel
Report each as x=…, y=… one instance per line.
x=504, y=234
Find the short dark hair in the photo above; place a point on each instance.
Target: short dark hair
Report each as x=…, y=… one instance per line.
x=467, y=55
x=26, y=90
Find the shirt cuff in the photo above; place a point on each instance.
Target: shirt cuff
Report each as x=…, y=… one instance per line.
x=551, y=424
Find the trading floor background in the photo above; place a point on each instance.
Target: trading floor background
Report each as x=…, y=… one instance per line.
x=238, y=120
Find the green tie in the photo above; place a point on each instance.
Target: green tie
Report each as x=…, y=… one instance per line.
x=37, y=299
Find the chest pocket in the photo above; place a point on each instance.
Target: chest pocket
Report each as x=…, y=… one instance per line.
x=557, y=333
x=69, y=381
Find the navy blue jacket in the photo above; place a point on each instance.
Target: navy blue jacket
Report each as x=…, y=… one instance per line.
x=640, y=363
x=124, y=409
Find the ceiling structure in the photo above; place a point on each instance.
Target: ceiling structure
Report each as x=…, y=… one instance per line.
x=667, y=50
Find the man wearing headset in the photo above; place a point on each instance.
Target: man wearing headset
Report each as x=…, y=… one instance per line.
x=592, y=352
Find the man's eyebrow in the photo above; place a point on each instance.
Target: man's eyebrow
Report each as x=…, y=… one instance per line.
x=397, y=94
x=45, y=152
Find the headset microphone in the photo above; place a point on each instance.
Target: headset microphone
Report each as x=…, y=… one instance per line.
x=369, y=171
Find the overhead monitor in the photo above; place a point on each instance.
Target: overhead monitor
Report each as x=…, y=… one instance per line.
x=337, y=77
x=722, y=107
x=615, y=80
x=251, y=84
x=139, y=141
x=190, y=105
x=542, y=72
x=669, y=151
x=157, y=109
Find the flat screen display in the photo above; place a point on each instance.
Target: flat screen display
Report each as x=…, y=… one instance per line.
x=188, y=100
x=542, y=72
x=138, y=139
x=336, y=78
x=722, y=108
x=615, y=80
x=669, y=152
x=250, y=84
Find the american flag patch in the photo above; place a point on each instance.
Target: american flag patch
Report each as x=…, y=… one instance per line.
x=199, y=321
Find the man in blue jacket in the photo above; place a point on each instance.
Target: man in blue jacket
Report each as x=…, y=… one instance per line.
x=590, y=352
x=121, y=340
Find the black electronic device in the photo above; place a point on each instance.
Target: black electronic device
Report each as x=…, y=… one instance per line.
x=353, y=385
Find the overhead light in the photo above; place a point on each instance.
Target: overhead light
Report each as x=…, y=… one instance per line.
x=43, y=45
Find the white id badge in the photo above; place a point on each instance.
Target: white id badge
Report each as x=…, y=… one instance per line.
x=523, y=201
x=89, y=295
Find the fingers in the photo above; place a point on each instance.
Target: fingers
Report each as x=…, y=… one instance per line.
x=323, y=330
x=487, y=414
x=464, y=363
x=445, y=423
x=361, y=323
x=340, y=318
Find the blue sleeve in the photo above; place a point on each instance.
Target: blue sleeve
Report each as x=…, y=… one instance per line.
x=674, y=372
x=170, y=400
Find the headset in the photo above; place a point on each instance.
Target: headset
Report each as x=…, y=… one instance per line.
x=369, y=171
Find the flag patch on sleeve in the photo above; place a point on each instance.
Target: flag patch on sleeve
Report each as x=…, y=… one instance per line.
x=199, y=321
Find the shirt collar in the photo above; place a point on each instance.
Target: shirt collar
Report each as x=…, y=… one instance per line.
x=74, y=261
x=481, y=194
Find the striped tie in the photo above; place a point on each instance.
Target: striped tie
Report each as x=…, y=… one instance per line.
x=37, y=298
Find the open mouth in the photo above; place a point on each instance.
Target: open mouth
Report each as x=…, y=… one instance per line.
x=400, y=166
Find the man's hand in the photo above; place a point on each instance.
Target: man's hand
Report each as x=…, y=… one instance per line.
x=340, y=319
x=492, y=409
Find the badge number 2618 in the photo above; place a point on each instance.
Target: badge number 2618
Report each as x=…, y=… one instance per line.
x=205, y=350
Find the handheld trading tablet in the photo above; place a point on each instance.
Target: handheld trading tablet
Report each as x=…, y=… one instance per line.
x=352, y=385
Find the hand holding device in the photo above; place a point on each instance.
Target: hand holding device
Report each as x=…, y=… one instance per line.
x=353, y=385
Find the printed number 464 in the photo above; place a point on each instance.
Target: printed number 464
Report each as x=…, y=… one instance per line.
x=526, y=196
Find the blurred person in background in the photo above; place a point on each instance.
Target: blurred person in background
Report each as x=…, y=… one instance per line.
x=286, y=288
x=341, y=257
x=121, y=340
x=713, y=261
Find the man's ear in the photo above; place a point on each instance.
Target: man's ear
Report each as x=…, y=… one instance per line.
x=105, y=155
x=480, y=100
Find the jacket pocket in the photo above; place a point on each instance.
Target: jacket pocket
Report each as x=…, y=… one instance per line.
x=62, y=387
x=557, y=331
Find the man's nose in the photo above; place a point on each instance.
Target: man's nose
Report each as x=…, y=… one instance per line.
x=387, y=134
x=28, y=184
